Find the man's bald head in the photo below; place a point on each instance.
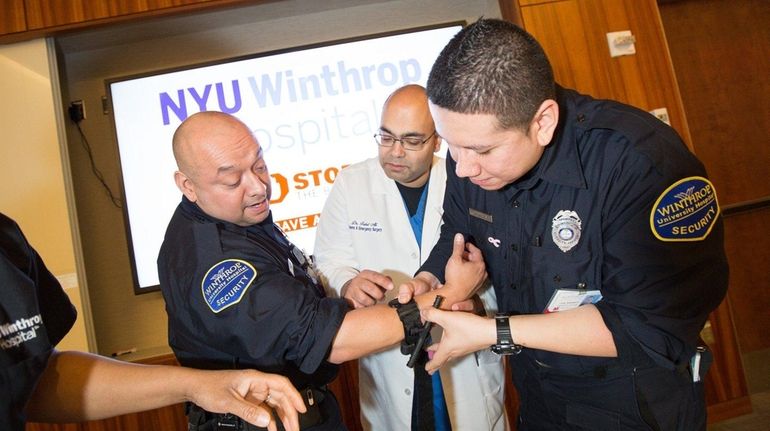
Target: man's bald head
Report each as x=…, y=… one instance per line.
x=200, y=134
x=221, y=168
x=412, y=97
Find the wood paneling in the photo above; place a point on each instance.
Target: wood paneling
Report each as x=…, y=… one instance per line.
x=721, y=54
x=12, y=16
x=573, y=34
x=47, y=13
x=748, y=250
x=345, y=388
x=727, y=395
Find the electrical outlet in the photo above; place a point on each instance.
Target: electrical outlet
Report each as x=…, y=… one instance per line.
x=77, y=111
x=621, y=43
x=661, y=114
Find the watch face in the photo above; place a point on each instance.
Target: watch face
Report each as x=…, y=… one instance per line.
x=509, y=349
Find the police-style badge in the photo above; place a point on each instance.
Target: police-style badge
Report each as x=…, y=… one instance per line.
x=565, y=229
x=226, y=282
x=686, y=211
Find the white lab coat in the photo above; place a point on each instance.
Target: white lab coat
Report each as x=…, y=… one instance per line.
x=364, y=225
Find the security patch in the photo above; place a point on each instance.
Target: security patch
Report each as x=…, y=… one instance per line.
x=686, y=211
x=226, y=282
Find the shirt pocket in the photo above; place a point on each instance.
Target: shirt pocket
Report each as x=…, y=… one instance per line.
x=547, y=270
x=493, y=247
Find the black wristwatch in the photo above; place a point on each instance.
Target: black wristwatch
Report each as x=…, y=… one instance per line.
x=505, y=344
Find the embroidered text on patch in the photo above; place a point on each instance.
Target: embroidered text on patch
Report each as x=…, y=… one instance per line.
x=226, y=282
x=686, y=211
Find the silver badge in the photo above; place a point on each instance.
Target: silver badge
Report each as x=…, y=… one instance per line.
x=565, y=230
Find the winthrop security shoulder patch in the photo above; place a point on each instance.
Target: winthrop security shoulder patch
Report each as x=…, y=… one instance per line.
x=686, y=211
x=226, y=282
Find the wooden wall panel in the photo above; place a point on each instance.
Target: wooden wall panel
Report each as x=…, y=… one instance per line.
x=573, y=34
x=12, y=16
x=748, y=249
x=345, y=388
x=42, y=13
x=721, y=54
x=727, y=395
x=45, y=13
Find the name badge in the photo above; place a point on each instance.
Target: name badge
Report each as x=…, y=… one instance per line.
x=567, y=299
x=480, y=215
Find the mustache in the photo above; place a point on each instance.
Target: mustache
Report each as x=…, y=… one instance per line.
x=395, y=161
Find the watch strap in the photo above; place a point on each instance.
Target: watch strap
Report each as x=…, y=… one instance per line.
x=505, y=344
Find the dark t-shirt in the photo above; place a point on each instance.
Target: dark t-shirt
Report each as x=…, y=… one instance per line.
x=35, y=314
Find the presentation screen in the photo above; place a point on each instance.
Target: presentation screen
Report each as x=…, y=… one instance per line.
x=314, y=110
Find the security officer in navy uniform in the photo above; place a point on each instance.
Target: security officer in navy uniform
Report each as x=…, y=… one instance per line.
x=238, y=294
x=601, y=235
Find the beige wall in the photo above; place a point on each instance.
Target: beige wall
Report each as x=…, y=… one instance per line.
x=33, y=190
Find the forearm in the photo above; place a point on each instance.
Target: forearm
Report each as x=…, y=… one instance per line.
x=580, y=331
x=371, y=329
x=364, y=331
x=80, y=386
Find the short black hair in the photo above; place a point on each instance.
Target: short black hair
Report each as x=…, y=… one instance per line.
x=492, y=67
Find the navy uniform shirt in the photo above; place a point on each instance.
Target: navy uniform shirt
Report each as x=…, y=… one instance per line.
x=616, y=203
x=35, y=314
x=237, y=297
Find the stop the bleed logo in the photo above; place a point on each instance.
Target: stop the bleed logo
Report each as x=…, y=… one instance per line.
x=302, y=181
x=686, y=211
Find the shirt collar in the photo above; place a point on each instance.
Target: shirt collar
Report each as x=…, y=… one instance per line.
x=192, y=209
x=560, y=162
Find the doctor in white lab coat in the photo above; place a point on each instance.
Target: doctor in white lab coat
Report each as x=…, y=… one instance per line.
x=365, y=233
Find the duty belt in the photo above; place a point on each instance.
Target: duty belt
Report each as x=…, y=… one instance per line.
x=202, y=420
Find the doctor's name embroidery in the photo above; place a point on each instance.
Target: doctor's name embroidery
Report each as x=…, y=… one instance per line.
x=365, y=226
x=226, y=282
x=686, y=211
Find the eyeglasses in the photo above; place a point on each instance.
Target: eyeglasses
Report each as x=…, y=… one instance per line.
x=410, y=143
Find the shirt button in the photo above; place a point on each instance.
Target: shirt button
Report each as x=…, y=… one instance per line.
x=407, y=391
x=557, y=278
x=515, y=247
x=515, y=204
x=513, y=286
x=414, y=255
